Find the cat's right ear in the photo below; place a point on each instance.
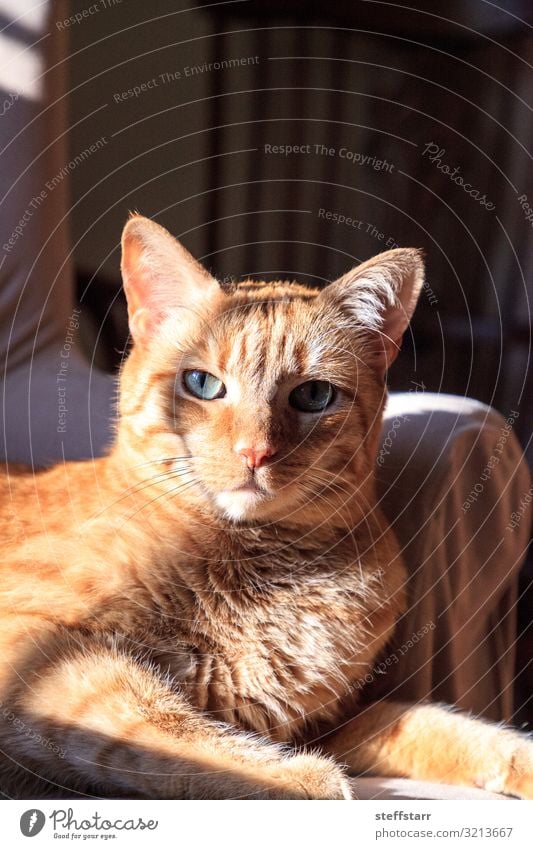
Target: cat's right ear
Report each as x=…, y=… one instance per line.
x=159, y=276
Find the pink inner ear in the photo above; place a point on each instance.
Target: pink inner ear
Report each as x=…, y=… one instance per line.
x=141, y=324
x=395, y=324
x=159, y=276
x=135, y=284
x=151, y=273
x=386, y=343
x=143, y=312
x=383, y=349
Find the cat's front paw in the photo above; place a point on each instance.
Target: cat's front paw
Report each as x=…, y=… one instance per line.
x=520, y=773
x=508, y=765
x=313, y=777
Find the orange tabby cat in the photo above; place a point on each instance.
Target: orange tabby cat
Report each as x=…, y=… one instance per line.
x=225, y=570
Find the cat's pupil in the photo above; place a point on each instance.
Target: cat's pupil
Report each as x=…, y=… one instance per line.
x=313, y=396
x=203, y=385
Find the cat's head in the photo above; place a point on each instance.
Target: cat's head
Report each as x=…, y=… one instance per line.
x=257, y=400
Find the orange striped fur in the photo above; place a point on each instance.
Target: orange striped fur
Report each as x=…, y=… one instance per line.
x=184, y=616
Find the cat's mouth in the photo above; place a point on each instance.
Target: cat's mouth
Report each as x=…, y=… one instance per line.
x=250, y=486
x=243, y=501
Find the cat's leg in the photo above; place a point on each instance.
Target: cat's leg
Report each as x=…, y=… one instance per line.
x=435, y=743
x=119, y=726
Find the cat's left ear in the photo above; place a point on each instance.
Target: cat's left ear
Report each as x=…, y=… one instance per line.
x=380, y=296
x=159, y=276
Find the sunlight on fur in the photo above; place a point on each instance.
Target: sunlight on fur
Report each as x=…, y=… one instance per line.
x=190, y=615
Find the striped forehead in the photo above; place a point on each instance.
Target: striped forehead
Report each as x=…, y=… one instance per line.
x=263, y=342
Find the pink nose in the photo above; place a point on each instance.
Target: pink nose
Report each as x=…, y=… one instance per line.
x=256, y=456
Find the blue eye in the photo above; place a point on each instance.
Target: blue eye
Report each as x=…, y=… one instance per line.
x=203, y=385
x=313, y=396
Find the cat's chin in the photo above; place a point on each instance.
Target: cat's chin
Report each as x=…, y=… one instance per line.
x=242, y=504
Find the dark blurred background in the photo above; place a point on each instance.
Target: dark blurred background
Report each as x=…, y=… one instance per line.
x=368, y=80
x=414, y=123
